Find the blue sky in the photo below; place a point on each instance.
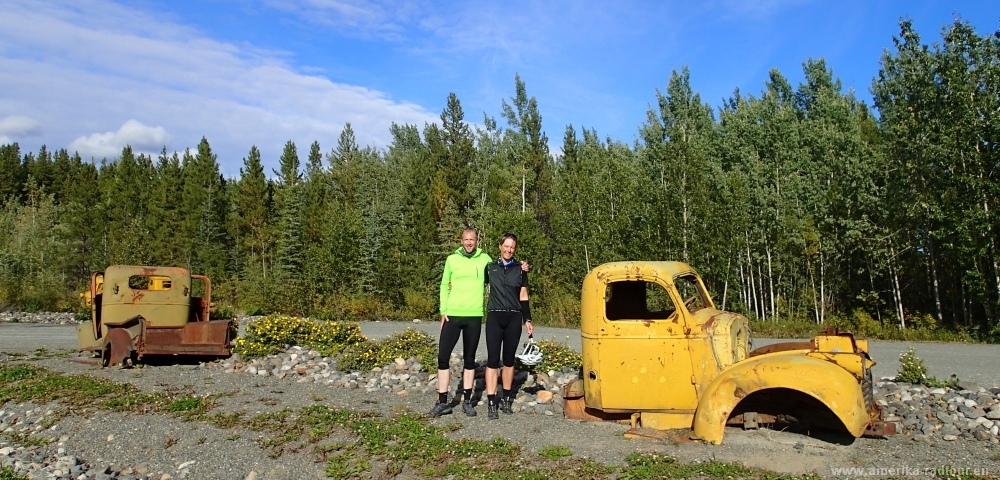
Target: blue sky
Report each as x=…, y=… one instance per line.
x=93, y=75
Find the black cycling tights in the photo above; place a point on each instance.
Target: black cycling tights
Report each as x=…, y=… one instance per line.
x=505, y=328
x=470, y=328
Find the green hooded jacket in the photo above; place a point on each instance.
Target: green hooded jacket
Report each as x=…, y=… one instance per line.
x=463, y=284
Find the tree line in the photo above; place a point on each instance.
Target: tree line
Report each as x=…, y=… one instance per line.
x=794, y=203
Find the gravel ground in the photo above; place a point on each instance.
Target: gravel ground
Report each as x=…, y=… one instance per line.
x=110, y=445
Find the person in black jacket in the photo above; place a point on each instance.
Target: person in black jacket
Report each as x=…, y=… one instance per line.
x=506, y=308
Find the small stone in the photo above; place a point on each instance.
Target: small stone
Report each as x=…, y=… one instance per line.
x=981, y=435
x=400, y=362
x=937, y=391
x=993, y=415
x=967, y=385
x=544, y=396
x=111, y=438
x=251, y=476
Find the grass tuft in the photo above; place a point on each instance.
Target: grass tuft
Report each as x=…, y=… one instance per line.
x=554, y=452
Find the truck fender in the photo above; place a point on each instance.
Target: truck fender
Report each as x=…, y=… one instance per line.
x=117, y=346
x=826, y=382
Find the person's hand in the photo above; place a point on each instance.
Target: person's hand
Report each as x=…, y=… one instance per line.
x=531, y=329
x=444, y=318
x=524, y=266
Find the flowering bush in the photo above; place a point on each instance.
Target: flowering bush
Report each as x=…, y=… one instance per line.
x=555, y=356
x=409, y=343
x=274, y=333
x=911, y=368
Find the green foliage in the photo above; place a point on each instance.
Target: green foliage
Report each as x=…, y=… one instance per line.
x=554, y=452
x=407, y=344
x=8, y=473
x=41, y=386
x=224, y=312
x=555, y=356
x=657, y=466
x=911, y=368
x=273, y=334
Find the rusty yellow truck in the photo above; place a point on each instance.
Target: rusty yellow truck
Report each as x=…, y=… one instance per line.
x=137, y=311
x=657, y=352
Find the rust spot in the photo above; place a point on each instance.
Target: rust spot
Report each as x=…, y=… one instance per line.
x=781, y=347
x=137, y=295
x=739, y=393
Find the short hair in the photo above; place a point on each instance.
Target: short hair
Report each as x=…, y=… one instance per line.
x=470, y=229
x=505, y=236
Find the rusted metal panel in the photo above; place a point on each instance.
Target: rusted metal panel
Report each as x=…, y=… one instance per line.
x=168, y=307
x=118, y=346
x=782, y=347
x=202, y=338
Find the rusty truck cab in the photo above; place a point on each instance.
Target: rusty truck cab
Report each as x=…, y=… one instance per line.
x=151, y=310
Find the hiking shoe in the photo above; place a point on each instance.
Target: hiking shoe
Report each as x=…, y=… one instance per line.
x=492, y=412
x=440, y=409
x=506, y=406
x=469, y=409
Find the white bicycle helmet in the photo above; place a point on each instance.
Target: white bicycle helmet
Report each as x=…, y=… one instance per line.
x=530, y=355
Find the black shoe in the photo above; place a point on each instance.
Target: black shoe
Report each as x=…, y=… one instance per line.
x=506, y=406
x=491, y=412
x=469, y=409
x=440, y=409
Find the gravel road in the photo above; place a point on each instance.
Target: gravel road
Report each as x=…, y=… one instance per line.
x=974, y=362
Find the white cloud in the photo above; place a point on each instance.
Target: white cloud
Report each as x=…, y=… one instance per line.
x=19, y=126
x=107, y=145
x=81, y=67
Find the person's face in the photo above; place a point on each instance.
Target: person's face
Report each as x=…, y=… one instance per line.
x=507, y=249
x=469, y=241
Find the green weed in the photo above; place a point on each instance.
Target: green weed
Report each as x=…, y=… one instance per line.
x=554, y=452
x=7, y=473
x=40, y=385
x=650, y=466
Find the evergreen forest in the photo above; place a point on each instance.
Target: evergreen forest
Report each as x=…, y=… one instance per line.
x=795, y=203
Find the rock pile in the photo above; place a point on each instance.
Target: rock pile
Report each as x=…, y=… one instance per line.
x=535, y=393
x=41, y=317
x=29, y=461
x=967, y=411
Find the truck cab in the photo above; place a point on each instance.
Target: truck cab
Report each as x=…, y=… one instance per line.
x=141, y=310
x=657, y=350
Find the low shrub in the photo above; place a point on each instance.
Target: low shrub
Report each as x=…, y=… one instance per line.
x=369, y=354
x=274, y=333
x=555, y=356
x=912, y=370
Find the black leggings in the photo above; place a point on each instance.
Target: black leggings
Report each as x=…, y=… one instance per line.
x=470, y=328
x=502, y=328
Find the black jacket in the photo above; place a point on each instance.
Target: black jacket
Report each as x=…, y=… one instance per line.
x=505, y=286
